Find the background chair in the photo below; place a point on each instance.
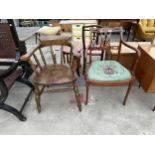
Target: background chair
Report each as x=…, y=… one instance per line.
x=10, y=44
x=11, y=70
x=7, y=78
x=57, y=73
x=108, y=72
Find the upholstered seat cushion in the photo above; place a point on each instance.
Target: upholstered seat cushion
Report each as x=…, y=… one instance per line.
x=108, y=71
x=47, y=30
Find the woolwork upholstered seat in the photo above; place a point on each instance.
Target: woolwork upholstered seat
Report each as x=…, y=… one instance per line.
x=108, y=71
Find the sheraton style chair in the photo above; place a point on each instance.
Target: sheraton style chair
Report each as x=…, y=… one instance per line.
x=11, y=70
x=51, y=71
x=108, y=72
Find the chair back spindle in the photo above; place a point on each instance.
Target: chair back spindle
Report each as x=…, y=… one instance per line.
x=42, y=56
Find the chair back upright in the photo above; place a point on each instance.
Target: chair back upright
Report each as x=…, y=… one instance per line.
x=104, y=41
x=7, y=45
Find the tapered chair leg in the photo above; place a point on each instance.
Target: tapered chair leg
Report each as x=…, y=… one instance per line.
x=77, y=95
x=37, y=98
x=87, y=93
x=127, y=93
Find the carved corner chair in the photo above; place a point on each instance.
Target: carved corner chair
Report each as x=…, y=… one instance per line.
x=108, y=72
x=53, y=71
x=11, y=70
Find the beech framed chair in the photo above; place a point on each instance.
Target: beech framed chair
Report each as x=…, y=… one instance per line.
x=108, y=72
x=52, y=71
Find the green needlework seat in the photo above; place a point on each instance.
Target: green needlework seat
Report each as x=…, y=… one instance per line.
x=108, y=71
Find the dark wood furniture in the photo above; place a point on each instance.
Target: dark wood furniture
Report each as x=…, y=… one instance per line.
x=7, y=46
x=126, y=23
x=14, y=71
x=109, y=71
x=18, y=45
x=7, y=78
x=145, y=70
x=57, y=73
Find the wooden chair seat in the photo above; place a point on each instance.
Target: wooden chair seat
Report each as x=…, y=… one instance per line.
x=54, y=74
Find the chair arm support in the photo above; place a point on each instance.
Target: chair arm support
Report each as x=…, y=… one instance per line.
x=137, y=55
x=27, y=56
x=131, y=47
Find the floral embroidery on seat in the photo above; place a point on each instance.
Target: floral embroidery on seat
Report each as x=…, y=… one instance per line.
x=109, y=69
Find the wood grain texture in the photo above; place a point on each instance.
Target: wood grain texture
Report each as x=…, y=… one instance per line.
x=145, y=70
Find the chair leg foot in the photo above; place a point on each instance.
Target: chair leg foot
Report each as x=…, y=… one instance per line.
x=39, y=109
x=37, y=98
x=77, y=95
x=87, y=93
x=14, y=111
x=127, y=93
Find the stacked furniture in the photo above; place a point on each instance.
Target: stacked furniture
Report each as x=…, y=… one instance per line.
x=76, y=28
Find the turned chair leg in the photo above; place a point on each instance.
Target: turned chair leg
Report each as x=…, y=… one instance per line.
x=77, y=95
x=127, y=93
x=37, y=98
x=87, y=93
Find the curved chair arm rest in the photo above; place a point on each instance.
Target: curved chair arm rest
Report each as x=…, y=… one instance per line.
x=131, y=47
x=7, y=72
x=136, y=51
x=27, y=56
